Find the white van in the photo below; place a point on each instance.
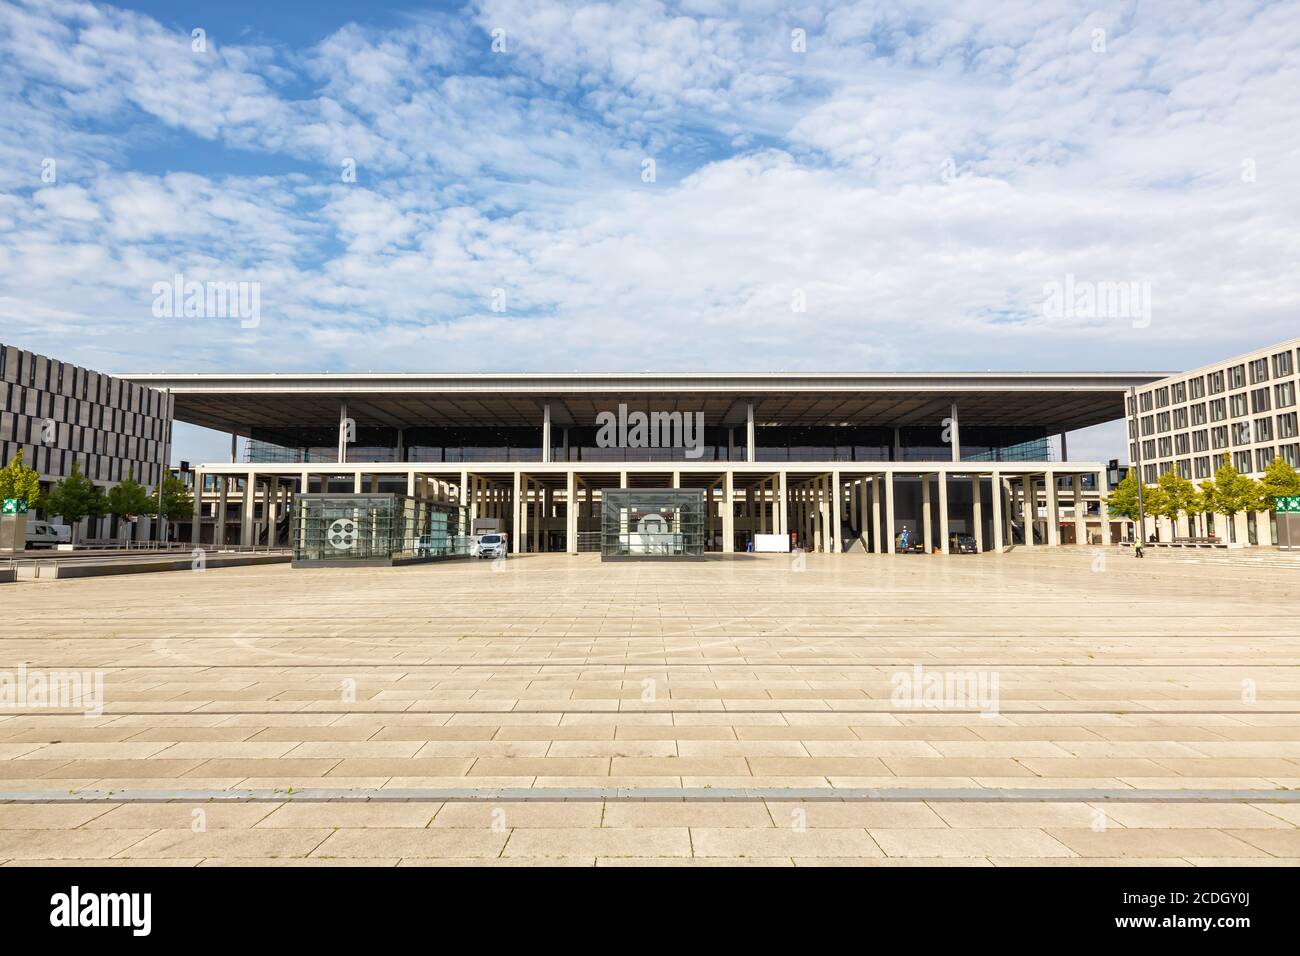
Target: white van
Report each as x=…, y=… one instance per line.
x=47, y=534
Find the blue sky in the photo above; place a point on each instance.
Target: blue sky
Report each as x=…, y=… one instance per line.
x=895, y=190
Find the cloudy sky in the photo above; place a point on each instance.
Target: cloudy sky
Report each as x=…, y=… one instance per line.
x=649, y=185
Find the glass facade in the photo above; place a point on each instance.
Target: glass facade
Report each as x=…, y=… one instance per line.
x=330, y=529
x=652, y=523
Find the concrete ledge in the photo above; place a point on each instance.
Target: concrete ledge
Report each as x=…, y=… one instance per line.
x=94, y=569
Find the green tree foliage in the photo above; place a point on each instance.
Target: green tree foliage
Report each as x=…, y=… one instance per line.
x=129, y=499
x=1230, y=492
x=1123, y=501
x=1173, y=496
x=75, y=497
x=19, y=481
x=1280, y=481
x=177, y=502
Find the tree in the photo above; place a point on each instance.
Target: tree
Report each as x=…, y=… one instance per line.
x=1172, y=496
x=177, y=502
x=75, y=497
x=1123, y=501
x=1280, y=481
x=128, y=499
x=19, y=481
x=1230, y=492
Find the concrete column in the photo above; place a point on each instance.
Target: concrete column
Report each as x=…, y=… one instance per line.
x=250, y=506
x=677, y=479
x=749, y=432
x=196, y=533
x=571, y=513
x=1029, y=509
x=343, y=432
x=780, y=517
x=1103, y=513
x=955, y=435
x=516, y=527
x=728, y=519
x=926, y=519
x=837, y=505
x=536, y=516
x=995, y=497
x=410, y=484
x=1080, y=508
x=1053, y=511
x=864, y=514
x=943, y=512
x=977, y=513
x=622, y=479
x=876, y=539
x=219, y=519
x=546, y=431
x=234, y=448
x=889, y=512
x=272, y=510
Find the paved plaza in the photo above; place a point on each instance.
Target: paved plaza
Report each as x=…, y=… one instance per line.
x=1089, y=708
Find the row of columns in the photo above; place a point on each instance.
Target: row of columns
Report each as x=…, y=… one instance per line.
x=817, y=508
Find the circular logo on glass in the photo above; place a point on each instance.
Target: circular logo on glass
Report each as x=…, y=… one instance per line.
x=342, y=534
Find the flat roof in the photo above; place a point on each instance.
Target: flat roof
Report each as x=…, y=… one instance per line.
x=239, y=402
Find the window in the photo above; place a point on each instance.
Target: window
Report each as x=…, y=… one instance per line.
x=1238, y=405
x=1180, y=418
x=1219, y=437
x=1180, y=392
x=1162, y=422
x=1197, y=386
x=1218, y=410
x=1185, y=468
x=1216, y=382
x=1182, y=444
x=1291, y=455
x=1148, y=424
x=1284, y=394
x=1264, y=429
x=1202, y=467
x=1199, y=416
x=1162, y=396
x=1201, y=440
x=1241, y=460
x=1148, y=449
x=1286, y=426
x=1237, y=376
x=1282, y=364
x=1145, y=400
x=1262, y=458
x=1259, y=401
x=1166, y=447
x=1241, y=433
x=1149, y=475
x=1258, y=371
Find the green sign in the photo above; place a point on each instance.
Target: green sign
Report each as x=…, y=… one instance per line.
x=1287, y=505
x=18, y=506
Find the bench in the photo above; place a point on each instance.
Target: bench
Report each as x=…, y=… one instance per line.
x=1189, y=543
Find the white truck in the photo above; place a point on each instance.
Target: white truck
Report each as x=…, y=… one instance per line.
x=47, y=534
x=488, y=539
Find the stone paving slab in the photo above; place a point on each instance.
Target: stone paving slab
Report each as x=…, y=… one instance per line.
x=1144, y=713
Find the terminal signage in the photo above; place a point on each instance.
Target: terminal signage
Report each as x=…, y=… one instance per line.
x=1289, y=504
x=18, y=506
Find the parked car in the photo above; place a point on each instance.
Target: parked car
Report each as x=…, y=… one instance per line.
x=491, y=546
x=962, y=544
x=47, y=534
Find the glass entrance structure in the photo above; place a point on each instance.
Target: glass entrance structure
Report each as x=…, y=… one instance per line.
x=652, y=523
x=374, y=529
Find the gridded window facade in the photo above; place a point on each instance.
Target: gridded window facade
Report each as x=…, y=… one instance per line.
x=59, y=414
x=1249, y=403
x=652, y=523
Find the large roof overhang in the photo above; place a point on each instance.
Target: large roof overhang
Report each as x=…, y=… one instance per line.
x=237, y=403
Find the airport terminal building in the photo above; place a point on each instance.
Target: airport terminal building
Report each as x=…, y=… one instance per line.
x=833, y=462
